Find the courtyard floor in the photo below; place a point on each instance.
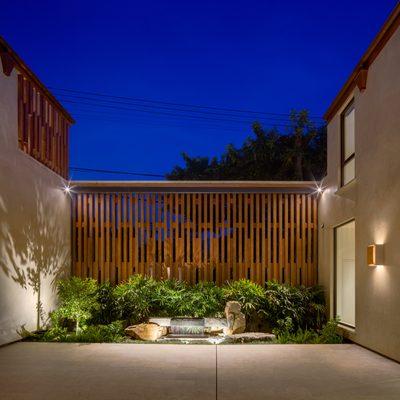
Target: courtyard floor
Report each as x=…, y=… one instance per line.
x=128, y=371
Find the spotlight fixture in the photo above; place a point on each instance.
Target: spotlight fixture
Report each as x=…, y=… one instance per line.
x=319, y=189
x=67, y=188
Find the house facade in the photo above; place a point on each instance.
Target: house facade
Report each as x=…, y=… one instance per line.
x=359, y=210
x=34, y=210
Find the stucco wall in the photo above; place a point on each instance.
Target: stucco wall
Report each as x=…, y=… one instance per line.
x=34, y=227
x=373, y=200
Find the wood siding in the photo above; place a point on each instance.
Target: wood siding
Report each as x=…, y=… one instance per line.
x=43, y=131
x=196, y=236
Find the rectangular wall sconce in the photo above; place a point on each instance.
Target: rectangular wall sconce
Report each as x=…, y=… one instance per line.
x=375, y=255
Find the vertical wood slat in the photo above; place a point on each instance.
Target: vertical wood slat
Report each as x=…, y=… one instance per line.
x=43, y=132
x=196, y=236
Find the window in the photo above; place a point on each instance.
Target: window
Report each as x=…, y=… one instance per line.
x=348, y=148
x=345, y=298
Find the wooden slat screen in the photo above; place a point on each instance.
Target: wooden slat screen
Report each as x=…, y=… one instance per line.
x=43, y=131
x=196, y=236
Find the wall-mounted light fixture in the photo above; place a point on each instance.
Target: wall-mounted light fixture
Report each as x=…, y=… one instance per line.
x=375, y=255
x=67, y=188
x=318, y=189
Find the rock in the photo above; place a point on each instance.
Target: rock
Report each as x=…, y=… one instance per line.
x=233, y=307
x=250, y=337
x=236, y=321
x=160, y=321
x=149, y=331
x=214, y=326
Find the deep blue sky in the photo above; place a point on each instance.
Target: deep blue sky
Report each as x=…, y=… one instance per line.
x=269, y=56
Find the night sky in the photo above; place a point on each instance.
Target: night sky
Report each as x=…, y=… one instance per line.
x=158, y=57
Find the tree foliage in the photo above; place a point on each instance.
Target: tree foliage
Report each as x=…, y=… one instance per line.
x=299, y=154
x=78, y=301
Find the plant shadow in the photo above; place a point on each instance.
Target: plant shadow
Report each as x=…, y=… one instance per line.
x=33, y=246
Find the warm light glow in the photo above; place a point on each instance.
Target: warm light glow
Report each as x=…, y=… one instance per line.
x=319, y=189
x=375, y=255
x=67, y=188
x=215, y=340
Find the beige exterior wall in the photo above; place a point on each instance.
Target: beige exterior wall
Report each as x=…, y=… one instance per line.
x=34, y=227
x=373, y=200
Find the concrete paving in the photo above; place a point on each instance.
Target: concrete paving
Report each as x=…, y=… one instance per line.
x=131, y=371
x=106, y=371
x=305, y=372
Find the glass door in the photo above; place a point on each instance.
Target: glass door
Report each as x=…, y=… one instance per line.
x=345, y=274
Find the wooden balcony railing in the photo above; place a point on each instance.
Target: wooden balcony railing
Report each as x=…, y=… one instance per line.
x=43, y=129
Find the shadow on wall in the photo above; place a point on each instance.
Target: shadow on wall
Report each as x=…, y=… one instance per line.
x=32, y=245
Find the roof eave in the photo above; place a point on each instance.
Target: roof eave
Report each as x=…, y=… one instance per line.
x=195, y=186
x=26, y=71
x=388, y=29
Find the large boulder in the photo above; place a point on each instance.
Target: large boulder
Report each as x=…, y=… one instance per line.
x=235, y=319
x=149, y=331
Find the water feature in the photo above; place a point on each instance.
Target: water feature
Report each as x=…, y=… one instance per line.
x=187, y=328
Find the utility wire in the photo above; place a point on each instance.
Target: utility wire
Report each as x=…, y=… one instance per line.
x=237, y=110
x=158, y=125
x=169, y=114
x=74, y=97
x=117, y=172
x=77, y=110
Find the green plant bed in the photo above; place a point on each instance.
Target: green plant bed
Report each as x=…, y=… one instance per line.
x=92, y=312
x=327, y=335
x=111, y=333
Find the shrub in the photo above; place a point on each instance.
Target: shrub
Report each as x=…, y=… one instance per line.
x=327, y=335
x=204, y=300
x=170, y=298
x=251, y=297
x=113, y=332
x=107, y=310
x=299, y=337
x=173, y=298
x=78, y=301
x=305, y=307
x=134, y=299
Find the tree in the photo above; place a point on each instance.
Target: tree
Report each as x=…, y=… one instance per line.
x=78, y=301
x=297, y=154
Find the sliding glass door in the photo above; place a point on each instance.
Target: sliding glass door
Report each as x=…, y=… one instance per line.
x=345, y=273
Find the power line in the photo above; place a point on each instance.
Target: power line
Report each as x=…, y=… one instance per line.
x=74, y=97
x=237, y=110
x=117, y=118
x=116, y=172
x=170, y=114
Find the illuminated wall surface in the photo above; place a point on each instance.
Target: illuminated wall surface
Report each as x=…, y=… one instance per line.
x=373, y=201
x=34, y=227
